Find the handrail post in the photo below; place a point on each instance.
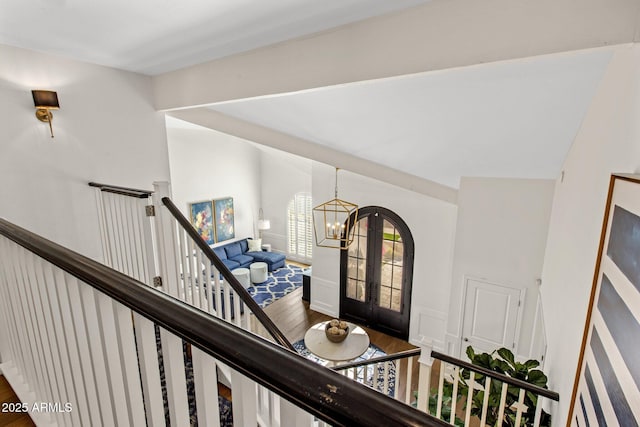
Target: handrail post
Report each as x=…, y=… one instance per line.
x=165, y=238
x=424, y=378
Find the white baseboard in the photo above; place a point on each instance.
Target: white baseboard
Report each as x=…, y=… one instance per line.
x=324, y=309
x=324, y=297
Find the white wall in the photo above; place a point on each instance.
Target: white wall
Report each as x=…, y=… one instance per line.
x=207, y=165
x=432, y=224
x=106, y=131
x=283, y=175
x=607, y=142
x=500, y=236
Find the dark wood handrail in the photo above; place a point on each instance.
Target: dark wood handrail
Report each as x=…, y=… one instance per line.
x=230, y=278
x=322, y=392
x=125, y=191
x=498, y=376
x=381, y=359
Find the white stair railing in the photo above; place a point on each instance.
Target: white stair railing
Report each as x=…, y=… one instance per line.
x=391, y=375
x=460, y=382
x=146, y=240
x=82, y=341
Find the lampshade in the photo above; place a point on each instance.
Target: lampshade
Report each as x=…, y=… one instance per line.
x=45, y=99
x=264, y=224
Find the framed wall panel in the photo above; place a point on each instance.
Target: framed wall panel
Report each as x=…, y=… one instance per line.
x=607, y=385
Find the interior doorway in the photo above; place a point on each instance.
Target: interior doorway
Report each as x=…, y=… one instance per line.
x=376, y=272
x=491, y=316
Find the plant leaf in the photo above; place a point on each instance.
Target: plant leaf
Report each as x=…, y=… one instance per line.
x=507, y=355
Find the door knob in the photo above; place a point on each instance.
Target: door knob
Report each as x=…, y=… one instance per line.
x=466, y=339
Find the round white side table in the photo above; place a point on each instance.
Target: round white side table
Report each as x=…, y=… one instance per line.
x=258, y=272
x=353, y=346
x=242, y=274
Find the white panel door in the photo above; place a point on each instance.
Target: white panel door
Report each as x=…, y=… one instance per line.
x=490, y=317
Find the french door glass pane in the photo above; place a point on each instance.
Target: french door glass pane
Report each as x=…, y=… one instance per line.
x=356, y=289
x=385, y=297
x=357, y=263
x=391, y=268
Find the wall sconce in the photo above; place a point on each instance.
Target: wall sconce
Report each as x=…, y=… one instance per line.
x=45, y=101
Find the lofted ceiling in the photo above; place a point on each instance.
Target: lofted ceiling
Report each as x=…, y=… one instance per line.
x=435, y=89
x=504, y=119
x=157, y=36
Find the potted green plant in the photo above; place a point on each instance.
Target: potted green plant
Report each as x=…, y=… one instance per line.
x=501, y=361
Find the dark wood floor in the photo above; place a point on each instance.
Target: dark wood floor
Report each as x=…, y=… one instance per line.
x=294, y=317
x=13, y=419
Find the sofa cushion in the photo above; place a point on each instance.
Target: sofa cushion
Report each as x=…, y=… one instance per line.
x=255, y=245
x=244, y=245
x=273, y=259
x=242, y=259
x=230, y=263
x=222, y=254
x=233, y=249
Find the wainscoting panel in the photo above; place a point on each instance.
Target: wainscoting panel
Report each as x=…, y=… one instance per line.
x=428, y=325
x=325, y=296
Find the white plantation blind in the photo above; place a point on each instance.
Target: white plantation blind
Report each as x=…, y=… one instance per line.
x=299, y=219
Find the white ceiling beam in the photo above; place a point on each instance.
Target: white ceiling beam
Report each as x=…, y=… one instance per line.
x=438, y=35
x=291, y=144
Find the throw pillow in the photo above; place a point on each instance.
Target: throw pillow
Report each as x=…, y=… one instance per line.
x=255, y=245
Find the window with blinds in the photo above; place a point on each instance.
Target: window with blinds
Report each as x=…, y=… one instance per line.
x=300, y=226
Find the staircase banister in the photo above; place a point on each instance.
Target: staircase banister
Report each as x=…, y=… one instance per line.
x=498, y=376
x=324, y=393
x=125, y=191
x=380, y=359
x=244, y=295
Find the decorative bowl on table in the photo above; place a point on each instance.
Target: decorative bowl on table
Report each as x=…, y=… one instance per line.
x=336, y=330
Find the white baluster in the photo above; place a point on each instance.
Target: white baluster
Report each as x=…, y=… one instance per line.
x=538, y=415
x=86, y=400
x=440, y=389
x=165, y=234
x=147, y=242
x=520, y=407
x=206, y=388
x=227, y=302
x=291, y=415
x=44, y=284
x=408, y=390
x=244, y=399
x=503, y=400
x=236, y=305
x=130, y=364
x=471, y=384
x=424, y=382
x=183, y=261
x=97, y=352
x=173, y=360
x=485, y=401
x=149, y=370
x=454, y=394
x=41, y=380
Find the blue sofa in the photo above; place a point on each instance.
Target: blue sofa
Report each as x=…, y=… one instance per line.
x=236, y=255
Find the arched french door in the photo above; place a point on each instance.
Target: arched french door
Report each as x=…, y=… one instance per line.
x=376, y=272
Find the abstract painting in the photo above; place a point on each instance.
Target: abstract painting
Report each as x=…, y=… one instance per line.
x=224, y=218
x=202, y=220
x=607, y=385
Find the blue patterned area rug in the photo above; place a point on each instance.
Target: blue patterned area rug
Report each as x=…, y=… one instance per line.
x=279, y=283
x=372, y=351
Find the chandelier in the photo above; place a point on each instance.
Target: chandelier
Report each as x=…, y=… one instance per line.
x=332, y=222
